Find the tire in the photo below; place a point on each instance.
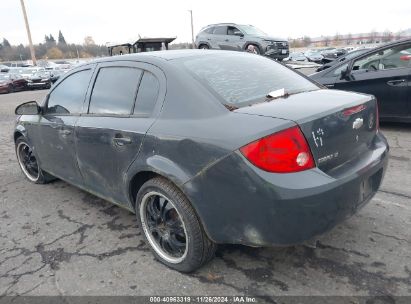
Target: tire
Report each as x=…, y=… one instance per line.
x=168, y=220
x=29, y=166
x=256, y=49
x=204, y=47
x=10, y=89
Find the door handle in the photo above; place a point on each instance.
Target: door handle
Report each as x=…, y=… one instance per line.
x=395, y=82
x=121, y=141
x=227, y=40
x=55, y=125
x=65, y=133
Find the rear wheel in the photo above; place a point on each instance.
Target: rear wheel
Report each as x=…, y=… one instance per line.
x=28, y=163
x=10, y=89
x=171, y=227
x=203, y=47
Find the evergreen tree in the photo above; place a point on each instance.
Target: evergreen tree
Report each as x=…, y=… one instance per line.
x=51, y=39
x=61, y=39
x=6, y=43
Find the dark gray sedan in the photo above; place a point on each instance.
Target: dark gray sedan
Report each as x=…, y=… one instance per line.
x=207, y=148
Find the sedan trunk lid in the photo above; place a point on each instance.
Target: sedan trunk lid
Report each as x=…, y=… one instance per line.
x=339, y=126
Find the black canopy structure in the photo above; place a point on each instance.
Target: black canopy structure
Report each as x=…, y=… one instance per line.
x=141, y=45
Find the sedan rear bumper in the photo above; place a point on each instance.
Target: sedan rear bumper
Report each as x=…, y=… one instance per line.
x=38, y=85
x=241, y=204
x=276, y=55
x=4, y=89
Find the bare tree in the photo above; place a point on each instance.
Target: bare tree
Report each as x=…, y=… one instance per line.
x=337, y=38
x=348, y=39
x=88, y=40
x=372, y=36
x=306, y=41
x=386, y=36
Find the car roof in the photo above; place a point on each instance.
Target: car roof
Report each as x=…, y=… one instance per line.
x=163, y=55
x=226, y=23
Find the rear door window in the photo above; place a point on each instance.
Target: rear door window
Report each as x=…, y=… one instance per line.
x=68, y=96
x=220, y=30
x=115, y=91
x=147, y=94
x=209, y=30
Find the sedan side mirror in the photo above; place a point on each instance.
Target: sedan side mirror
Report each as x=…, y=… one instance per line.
x=345, y=74
x=28, y=108
x=238, y=33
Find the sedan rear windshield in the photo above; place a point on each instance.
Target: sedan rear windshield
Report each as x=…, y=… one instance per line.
x=243, y=79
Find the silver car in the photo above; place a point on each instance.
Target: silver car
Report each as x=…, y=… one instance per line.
x=237, y=37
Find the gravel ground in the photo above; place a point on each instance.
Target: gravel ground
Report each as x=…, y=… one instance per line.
x=58, y=240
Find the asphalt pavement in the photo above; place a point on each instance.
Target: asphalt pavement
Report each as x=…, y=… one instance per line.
x=58, y=240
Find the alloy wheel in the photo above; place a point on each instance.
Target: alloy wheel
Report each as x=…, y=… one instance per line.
x=164, y=227
x=27, y=161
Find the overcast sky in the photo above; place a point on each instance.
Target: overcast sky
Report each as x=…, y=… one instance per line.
x=124, y=20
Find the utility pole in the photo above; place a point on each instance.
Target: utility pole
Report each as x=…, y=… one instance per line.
x=192, y=30
x=78, y=56
x=33, y=55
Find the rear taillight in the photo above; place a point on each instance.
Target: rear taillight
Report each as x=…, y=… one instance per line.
x=353, y=110
x=283, y=152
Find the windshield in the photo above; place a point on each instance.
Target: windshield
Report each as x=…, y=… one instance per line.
x=16, y=71
x=30, y=71
x=312, y=53
x=353, y=54
x=242, y=79
x=41, y=74
x=251, y=30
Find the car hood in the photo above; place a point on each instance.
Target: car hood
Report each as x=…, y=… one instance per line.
x=38, y=77
x=271, y=38
x=3, y=82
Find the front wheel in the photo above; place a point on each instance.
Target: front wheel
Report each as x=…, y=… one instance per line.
x=28, y=163
x=254, y=49
x=171, y=226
